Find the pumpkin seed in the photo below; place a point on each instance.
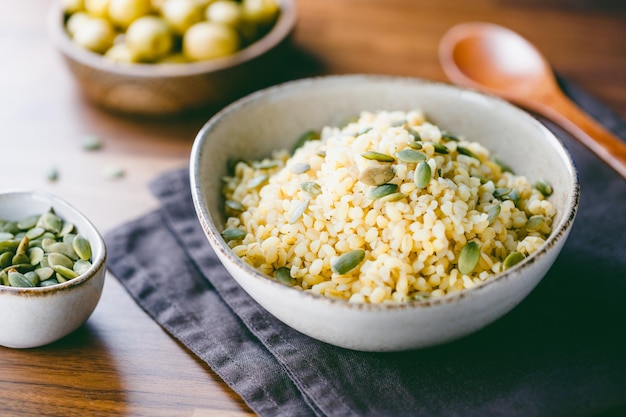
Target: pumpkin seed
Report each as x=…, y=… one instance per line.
x=482, y=178
x=501, y=192
x=503, y=165
x=50, y=222
x=265, y=164
x=35, y=232
x=543, y=187
x=464, y=151
x=32, y=277
x=52, y=174
x=66, y=229
x=513, y=196
x=257, y=181
x=35, y=255
x=311, y=188
x=233, y=233
x=62, y=248
x=449, y=137
x=23, y=246
x=377, y=175
x=231, y=164
x=382, y=191
x=58, y=259
x=422, y=176
x=44, y=273
x=20, y=258
x=91, y=143
x=6, y=236
x=416, y=135
x=28, y=222
x=48, y=282
x=65, y=271
x=469, y=257
x=300, y=168
x=304, y=138
x=5, y=259
x=398, y=123
x=534, y=223
x=298, y=211
x=81, y=266
x=493, y=213
x=378, y=156
x=17, y=279
x=9, y=245
x=81, y=247
x=512, y=259
x=283, y=274
x=10, y=227
x=410, y=156
x=415, y=145
x=348, y=261
x=439, y=148
x=234, y=205
x=393, y=197
x=113, y=172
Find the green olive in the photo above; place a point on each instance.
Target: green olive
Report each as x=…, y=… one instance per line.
x=149, y=38
x=123, y=12
x=181, y=14
x=95, y=34
x=208, y=40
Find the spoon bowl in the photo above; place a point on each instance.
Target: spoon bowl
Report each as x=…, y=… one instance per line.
x=498, y=61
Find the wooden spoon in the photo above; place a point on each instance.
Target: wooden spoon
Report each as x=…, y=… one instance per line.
x=498, y=61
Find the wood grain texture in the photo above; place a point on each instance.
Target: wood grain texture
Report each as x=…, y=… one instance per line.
x=121, y=363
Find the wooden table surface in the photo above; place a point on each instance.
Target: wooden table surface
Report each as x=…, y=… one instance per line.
x=121, y=362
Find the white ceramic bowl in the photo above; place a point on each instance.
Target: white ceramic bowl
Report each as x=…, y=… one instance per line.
x=270, y=119
x=38, y=316
x=155, y=90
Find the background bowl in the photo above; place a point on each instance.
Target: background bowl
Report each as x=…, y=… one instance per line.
x=271, y=119
x=37, y=316
x=153, y=90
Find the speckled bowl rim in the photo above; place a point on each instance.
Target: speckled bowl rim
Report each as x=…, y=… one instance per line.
x=218, y=243
x=280, y=31
x=96, y=265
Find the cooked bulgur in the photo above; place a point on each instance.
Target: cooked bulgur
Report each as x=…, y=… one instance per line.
x=387, y=208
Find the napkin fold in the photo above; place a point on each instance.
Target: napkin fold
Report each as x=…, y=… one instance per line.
x=561, y=352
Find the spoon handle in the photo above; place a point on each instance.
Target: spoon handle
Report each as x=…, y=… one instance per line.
x=607, y=146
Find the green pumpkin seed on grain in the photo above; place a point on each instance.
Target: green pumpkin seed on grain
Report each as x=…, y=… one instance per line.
x=390, y=198
x=439, y=148
x=311, y=188
x=410, y=156
x=512, y=259
x=298, y=212
x=469, y=257
x=415, y=145
x=283, y=274
x=416, y=135
x=378, y=156
x=348, y=261
x=258, y=181
x=493, y=213
x=543, y=187
x=513, y=196
x=422, y=176
x=464, y=151
x=233, y=233
x=300, y=168
x=398, y=123
x=501, y=192
x=534, y=223
x=503, y=165
x=304, y=138
x=234, y=205
x=449, y=137
x=382, y=191
x=377, y=175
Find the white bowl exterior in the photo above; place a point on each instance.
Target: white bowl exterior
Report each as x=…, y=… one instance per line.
x=271, y=119
x=34, y=317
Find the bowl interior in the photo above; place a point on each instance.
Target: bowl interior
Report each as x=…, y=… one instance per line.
x=273, y=118
x=16, y=205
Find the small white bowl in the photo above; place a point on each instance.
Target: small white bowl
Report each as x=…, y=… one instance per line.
x=38, y=316
x=270, y=119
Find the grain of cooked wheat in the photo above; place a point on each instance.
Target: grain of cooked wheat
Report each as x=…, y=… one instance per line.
x=411, y=242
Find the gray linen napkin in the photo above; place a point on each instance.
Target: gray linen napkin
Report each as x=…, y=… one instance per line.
x=561, y=352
